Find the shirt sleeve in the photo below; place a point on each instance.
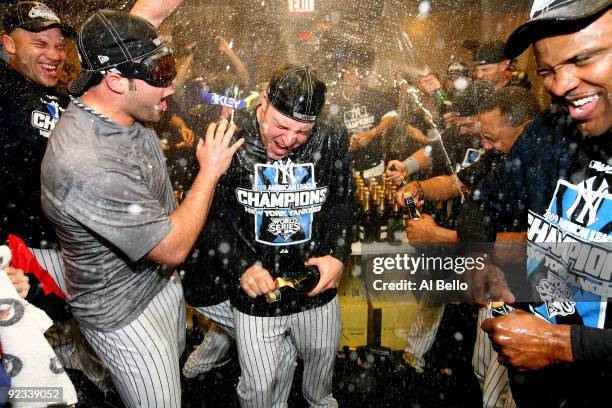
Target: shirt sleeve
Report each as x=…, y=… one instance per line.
x=591, y=345
x=119, y=207
x=337, y=241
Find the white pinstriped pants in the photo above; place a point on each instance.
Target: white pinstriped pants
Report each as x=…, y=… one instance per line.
x=313, y=334
x=218, y=340
x=65, y=336
x=143, y=356
x=492, y=376
x=423, y=331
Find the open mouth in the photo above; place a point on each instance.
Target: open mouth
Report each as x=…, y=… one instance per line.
x=280, y=148
x=580, y=109
x=49, y=69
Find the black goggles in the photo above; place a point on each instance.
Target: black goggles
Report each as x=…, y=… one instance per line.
x=157, y=70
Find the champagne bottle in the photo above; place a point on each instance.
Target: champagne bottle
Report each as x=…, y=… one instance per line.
x=381, y=220
x=395, y=226
x=307, y=278
x=365, y=223
x=411, y=208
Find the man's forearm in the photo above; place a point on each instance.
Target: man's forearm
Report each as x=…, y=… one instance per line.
x=238, y=65
x=441, y=188
x=187, y=222
x=511, y=237
x=155, y=11
x=445, y=235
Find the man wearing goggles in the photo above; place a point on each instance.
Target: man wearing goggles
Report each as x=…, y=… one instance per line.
x=157, y=70
x=106, y=191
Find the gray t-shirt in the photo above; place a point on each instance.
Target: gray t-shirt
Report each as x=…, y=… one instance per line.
x=106, y=190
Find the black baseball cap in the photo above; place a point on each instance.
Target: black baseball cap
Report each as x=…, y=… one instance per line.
x=110, y=38
x=490, y=52
x=33, y=16
x=549, y=17
x=297, y=92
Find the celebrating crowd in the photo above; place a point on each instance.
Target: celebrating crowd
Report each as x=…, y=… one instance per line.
x=160, y=162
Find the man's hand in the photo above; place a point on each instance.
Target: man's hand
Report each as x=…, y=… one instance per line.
x=19, y=280
x=487, y=283
x=449, y=118
x=360, y=139
x=215, y=155
x=430, y=84
x=330, y=270
x=155, y=11
x=256, y=281
x=413, y=189
x=224, y=46
x=426, y=231
x=527, y=342
x=187, y=137
x=396, y=170
x=191, y=46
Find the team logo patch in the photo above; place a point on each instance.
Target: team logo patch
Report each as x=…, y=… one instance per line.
x=45, y=120
x=42, y=11
x=569, y=248
x=471, y=157
x=358, y=119
x=11, y=311
x=283, y=199
x=55, y=366
x=12, y=365
x=557, y=296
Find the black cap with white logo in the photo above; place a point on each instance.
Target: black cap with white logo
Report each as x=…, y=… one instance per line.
x=550, y=17
x=110, y=38
x=33, y=16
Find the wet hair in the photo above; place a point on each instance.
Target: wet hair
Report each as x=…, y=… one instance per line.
x=516, y=104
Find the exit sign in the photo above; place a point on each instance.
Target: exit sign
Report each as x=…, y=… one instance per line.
x=301, y=6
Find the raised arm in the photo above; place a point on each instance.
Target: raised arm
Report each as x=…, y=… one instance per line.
x=155, y=11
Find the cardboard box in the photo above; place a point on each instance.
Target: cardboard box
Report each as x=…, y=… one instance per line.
x=390, y=323
x=354, y=312
x=390, y=315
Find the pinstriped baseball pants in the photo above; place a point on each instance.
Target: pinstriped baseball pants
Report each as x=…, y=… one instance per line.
x=314, y=334
x=218, y=340
x=65, y=336
x=423, y=331
x=143, y=356
x=492, y=376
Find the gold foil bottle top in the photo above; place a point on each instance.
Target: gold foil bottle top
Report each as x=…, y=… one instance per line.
x=366, y=201
x=275, y=295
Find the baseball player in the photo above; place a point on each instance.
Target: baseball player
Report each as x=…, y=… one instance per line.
x=284, y=204
x=503, y=116
x=106, y=190
x=28, y=114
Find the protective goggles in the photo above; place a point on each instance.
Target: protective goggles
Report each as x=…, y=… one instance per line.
x=157, y=70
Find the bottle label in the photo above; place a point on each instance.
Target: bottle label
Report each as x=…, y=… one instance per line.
x=383, y=232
